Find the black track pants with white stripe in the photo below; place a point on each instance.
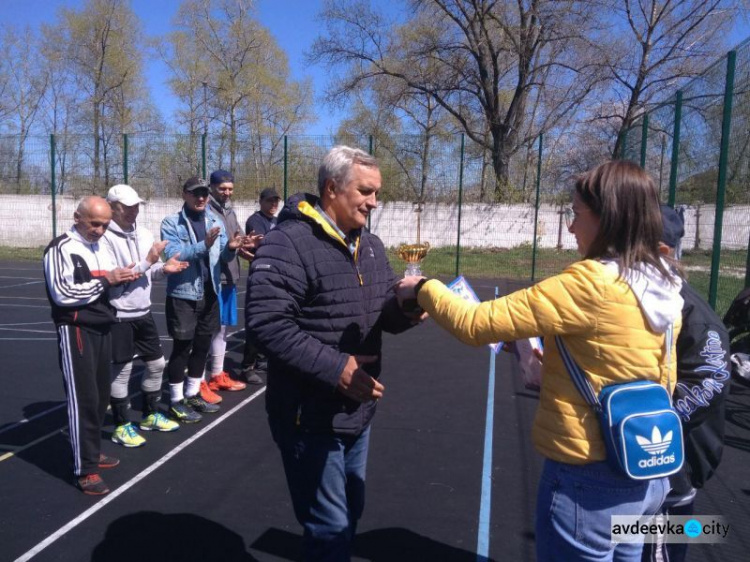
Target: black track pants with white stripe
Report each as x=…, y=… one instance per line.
x=85, y=359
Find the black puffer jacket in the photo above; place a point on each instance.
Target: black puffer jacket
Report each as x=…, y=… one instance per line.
x=311, y=304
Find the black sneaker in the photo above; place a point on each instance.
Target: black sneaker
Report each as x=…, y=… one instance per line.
x=92, y=485
x=182, y=412
x=105, y=461
x=251, y=377
x=200, y=405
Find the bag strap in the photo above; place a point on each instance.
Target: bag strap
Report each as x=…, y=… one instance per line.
x=579, y=377
x=582, y=383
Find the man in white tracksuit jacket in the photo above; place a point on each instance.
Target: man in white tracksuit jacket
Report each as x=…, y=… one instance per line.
x=135, y=331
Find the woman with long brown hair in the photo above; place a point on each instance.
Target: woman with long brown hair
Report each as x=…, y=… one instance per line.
x=612, y=309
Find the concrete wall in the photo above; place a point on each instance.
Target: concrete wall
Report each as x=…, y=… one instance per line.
x=27, y=222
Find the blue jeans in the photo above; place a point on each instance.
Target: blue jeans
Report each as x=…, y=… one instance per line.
x=574, y=508
x=326, y=478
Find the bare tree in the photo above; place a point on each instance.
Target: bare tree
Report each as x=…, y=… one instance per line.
x=655, y=45
x=487, y=58
x=27, y=84
x=101, y=43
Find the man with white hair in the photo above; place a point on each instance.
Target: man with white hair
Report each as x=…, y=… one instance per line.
x=319, y=297
x=78, y=275
x=135, y=331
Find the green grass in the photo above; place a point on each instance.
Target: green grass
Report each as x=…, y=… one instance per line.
x=515, y=263
x=21, y=254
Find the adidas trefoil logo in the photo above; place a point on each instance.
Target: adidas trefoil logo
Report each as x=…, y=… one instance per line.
x=658, y=444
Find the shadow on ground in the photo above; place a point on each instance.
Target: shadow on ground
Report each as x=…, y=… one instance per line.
x=381, y=545
x=150, y=536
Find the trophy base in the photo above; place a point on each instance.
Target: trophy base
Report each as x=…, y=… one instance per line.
x=413, y=270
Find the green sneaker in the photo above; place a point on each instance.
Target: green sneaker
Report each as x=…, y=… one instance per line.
x=181, y=411
x=158, y=422
x=200, y=405
x=127, y=436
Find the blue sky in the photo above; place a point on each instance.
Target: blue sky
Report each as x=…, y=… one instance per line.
x=292, y=23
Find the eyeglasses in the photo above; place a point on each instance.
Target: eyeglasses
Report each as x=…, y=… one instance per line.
x=199, y=193
x=570, y=216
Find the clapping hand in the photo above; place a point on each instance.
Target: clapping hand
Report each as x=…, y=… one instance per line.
x=174, y=265
x=212, y=235
x=252, y=241
x=155, y=252
x=121, y=275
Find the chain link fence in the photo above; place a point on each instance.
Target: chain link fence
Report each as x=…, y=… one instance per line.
x=440, y=189
x=698, y=145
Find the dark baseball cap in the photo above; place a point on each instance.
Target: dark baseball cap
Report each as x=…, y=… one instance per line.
x=194, y=183
x=673, y=226
x=269, y=193
x=221, y=176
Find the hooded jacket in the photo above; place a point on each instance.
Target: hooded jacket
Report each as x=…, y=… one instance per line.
x=74, y=271
x=132, y=300
x=311, y=303
x=614, y=327
x=230, y=270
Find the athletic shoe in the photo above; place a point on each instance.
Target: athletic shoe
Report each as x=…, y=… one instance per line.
x=93, y=485
x=127, y=436
x=200, y=405
x=209, y=395
x=106, y=461
x=181, y=411
x=252, y=377
x=158, y=422
x=222, y=381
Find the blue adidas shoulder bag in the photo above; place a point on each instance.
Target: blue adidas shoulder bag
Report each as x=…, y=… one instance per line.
x=641, y=429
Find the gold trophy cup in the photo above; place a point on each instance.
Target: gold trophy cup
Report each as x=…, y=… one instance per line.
x=413, y=254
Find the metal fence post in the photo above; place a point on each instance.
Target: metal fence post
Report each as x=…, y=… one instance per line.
x=460, y=202
x=536, y=206
x=286, y=162
x=125, y=157
x=675, y=149
x=53, y=184
x=203, y=155
x=644, y=140
x=369, y=151
x=726, y=127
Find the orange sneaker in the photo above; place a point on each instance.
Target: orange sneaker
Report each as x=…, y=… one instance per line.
x=222, y=381
x=209, y=395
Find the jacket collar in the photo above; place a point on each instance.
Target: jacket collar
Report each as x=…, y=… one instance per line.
x=309, y=211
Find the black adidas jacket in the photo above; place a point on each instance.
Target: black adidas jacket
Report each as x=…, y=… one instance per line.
x=74, y=270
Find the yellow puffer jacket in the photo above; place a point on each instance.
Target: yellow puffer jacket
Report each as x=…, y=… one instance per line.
x=604, y=328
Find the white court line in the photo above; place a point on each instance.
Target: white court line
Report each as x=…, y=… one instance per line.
x=20, y=277
x=49, y=411
x=32, y=418
x=20, y=284
x=27, y=331
x=26, y=323
x=28, y=339
x=25, y=305
x=132, y=482
x=26, y=298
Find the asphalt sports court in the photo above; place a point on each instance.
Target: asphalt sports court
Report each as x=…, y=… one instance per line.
x=452, y=473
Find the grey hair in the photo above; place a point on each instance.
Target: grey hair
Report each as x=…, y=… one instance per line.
x=337, y=165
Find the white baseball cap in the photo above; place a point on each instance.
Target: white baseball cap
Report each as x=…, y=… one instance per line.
x=124, y=194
